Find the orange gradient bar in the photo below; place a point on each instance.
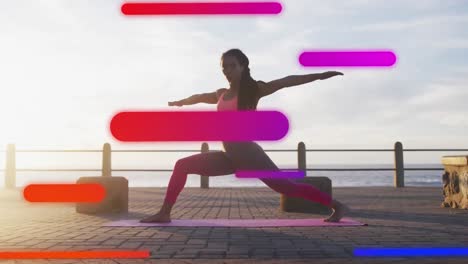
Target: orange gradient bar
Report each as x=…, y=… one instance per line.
x=64, y=193
x=201, y=8
x=74, y=254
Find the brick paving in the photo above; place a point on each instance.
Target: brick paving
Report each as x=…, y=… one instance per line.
x=403, y=217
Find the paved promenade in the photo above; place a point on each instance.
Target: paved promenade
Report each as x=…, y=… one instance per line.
x=404, y=217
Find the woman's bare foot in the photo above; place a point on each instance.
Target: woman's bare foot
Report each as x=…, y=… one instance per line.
x=163, y=216
x=339, y=210
x=157, y=218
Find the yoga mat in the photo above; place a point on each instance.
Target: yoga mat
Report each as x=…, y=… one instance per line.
x=238, y=223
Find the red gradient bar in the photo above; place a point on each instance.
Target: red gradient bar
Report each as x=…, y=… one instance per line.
x=74, y=254
x=282, y=174
x=201, y=8
x=383, y=58
x=199, y=126
x=64, y=193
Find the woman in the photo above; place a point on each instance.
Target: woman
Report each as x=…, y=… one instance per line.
x=243, y=94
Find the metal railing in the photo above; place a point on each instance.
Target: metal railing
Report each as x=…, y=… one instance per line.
x=106, y=170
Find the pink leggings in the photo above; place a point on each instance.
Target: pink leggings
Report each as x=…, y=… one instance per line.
x=238, y=156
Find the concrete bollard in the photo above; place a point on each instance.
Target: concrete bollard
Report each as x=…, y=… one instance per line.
x=10, y=167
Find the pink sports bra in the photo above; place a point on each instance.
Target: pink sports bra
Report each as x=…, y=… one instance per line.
x=229, y=105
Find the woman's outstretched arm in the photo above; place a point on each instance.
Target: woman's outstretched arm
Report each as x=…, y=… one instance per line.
x=293, y=80
x=208, y=98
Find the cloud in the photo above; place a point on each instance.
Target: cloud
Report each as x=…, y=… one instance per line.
x=455, y=43
x=97, y=61
x=424, y=22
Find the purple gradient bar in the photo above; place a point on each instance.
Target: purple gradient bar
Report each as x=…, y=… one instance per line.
x=282, y=174
x=382, y=58
x=412, y=252
x=201, y=8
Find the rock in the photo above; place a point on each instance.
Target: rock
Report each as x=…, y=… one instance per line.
x=455, y=182
x=116, y=200
x=299, y=205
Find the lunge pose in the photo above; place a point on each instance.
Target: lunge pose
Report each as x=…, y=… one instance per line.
x=243, y=94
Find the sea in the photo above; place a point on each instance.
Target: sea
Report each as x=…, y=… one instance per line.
x=339, y=178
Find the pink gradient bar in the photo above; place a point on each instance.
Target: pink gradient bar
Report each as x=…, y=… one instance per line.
x=201, y=8
x=383, y=58
x=282, y=174
x=199, y=126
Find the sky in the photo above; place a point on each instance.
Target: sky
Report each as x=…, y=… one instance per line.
x=68, y=66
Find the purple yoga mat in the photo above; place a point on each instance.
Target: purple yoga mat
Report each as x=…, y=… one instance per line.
x=238, y=222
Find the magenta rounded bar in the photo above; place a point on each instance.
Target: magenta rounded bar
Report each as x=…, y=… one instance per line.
x=201, y=8
x=383, y=58
x=282, y=174
x=199, y=126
